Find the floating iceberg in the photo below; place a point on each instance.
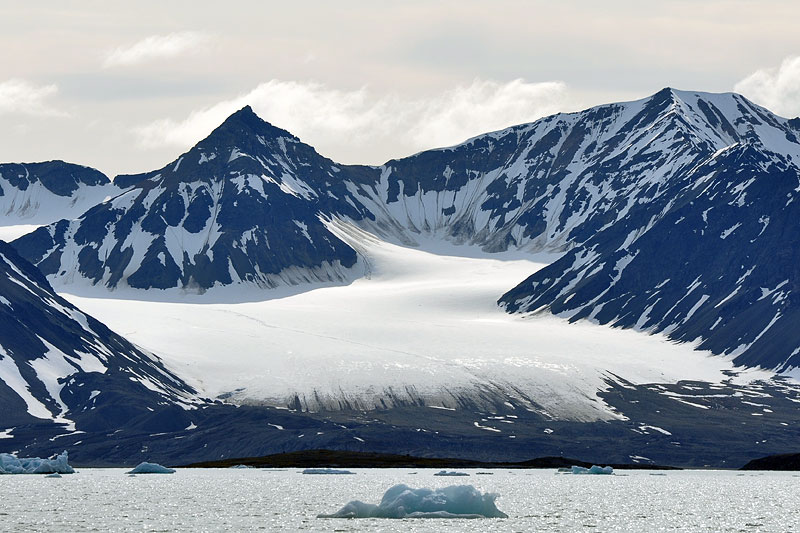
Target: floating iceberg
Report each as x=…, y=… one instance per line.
x=602, y=470
x=11, y=464
x=239, y=467
x=151, y=468
x=446, y=473
x=401, y=501
x=326, y=471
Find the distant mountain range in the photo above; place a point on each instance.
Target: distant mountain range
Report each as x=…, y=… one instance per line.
x=674, y=214
x=32, y=194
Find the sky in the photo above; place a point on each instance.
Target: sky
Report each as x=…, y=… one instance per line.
x=128, y=86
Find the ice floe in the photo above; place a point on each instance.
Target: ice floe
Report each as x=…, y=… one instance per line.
x=151, y=468
x=401, y=501
x=453, y=473
x=580, y=470
x=326, y=471
x=11, y=464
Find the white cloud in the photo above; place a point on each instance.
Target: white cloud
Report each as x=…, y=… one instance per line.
x=484, y=106
x=777, y=89
x=20, y=96
x=155, y=47
x=356, y=127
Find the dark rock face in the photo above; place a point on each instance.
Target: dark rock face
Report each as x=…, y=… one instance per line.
x=58, y=177
x=60, y=367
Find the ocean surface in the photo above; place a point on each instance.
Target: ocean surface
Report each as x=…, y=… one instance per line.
x=286, y=500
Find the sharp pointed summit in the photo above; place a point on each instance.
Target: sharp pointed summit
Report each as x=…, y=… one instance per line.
x=243, y=123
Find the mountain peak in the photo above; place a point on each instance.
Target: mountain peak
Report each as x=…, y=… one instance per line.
x=244, y=123
x=245, y=113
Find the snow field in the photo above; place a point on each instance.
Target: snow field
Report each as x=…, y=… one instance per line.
x=423, y=324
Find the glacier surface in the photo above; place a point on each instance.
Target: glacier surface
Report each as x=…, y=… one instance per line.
x=422, y=326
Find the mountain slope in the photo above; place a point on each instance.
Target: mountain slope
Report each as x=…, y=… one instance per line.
x=554, y=183
x=60, y=367
x=231, y=210
x=719, y=266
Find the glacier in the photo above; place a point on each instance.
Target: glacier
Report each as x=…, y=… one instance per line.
x=423, y=327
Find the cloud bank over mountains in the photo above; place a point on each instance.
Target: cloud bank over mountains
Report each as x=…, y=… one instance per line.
x=776, y=88
x=347, y=124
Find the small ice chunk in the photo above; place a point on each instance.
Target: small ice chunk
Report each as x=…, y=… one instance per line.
x=401, y=501
x=600, y=470
x=151, y=468
x=54, y=474
x=454, y=474
x=240, y=466
x=11, y=464
x=326, y=471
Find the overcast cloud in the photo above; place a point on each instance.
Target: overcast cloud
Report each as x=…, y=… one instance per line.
x=126, y=87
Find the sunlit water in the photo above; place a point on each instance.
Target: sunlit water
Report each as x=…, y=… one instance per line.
x=539, y=500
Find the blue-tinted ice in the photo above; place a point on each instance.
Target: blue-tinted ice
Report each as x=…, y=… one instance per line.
x=151, y=468
x=401, y=501
x=11, y=464
x=326, y=471
x=603, y=470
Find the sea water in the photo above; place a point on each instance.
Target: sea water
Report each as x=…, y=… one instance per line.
x=286, y=500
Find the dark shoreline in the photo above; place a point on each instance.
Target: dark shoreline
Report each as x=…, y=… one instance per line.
x=346, y=459
x=781, y=462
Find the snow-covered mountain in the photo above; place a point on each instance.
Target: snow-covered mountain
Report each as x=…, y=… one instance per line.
x=59, y=366
x=33, y=194
x=714, y=256
x=231, y=210
x=252, y=204
x=248, y=181
x=673, y=215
